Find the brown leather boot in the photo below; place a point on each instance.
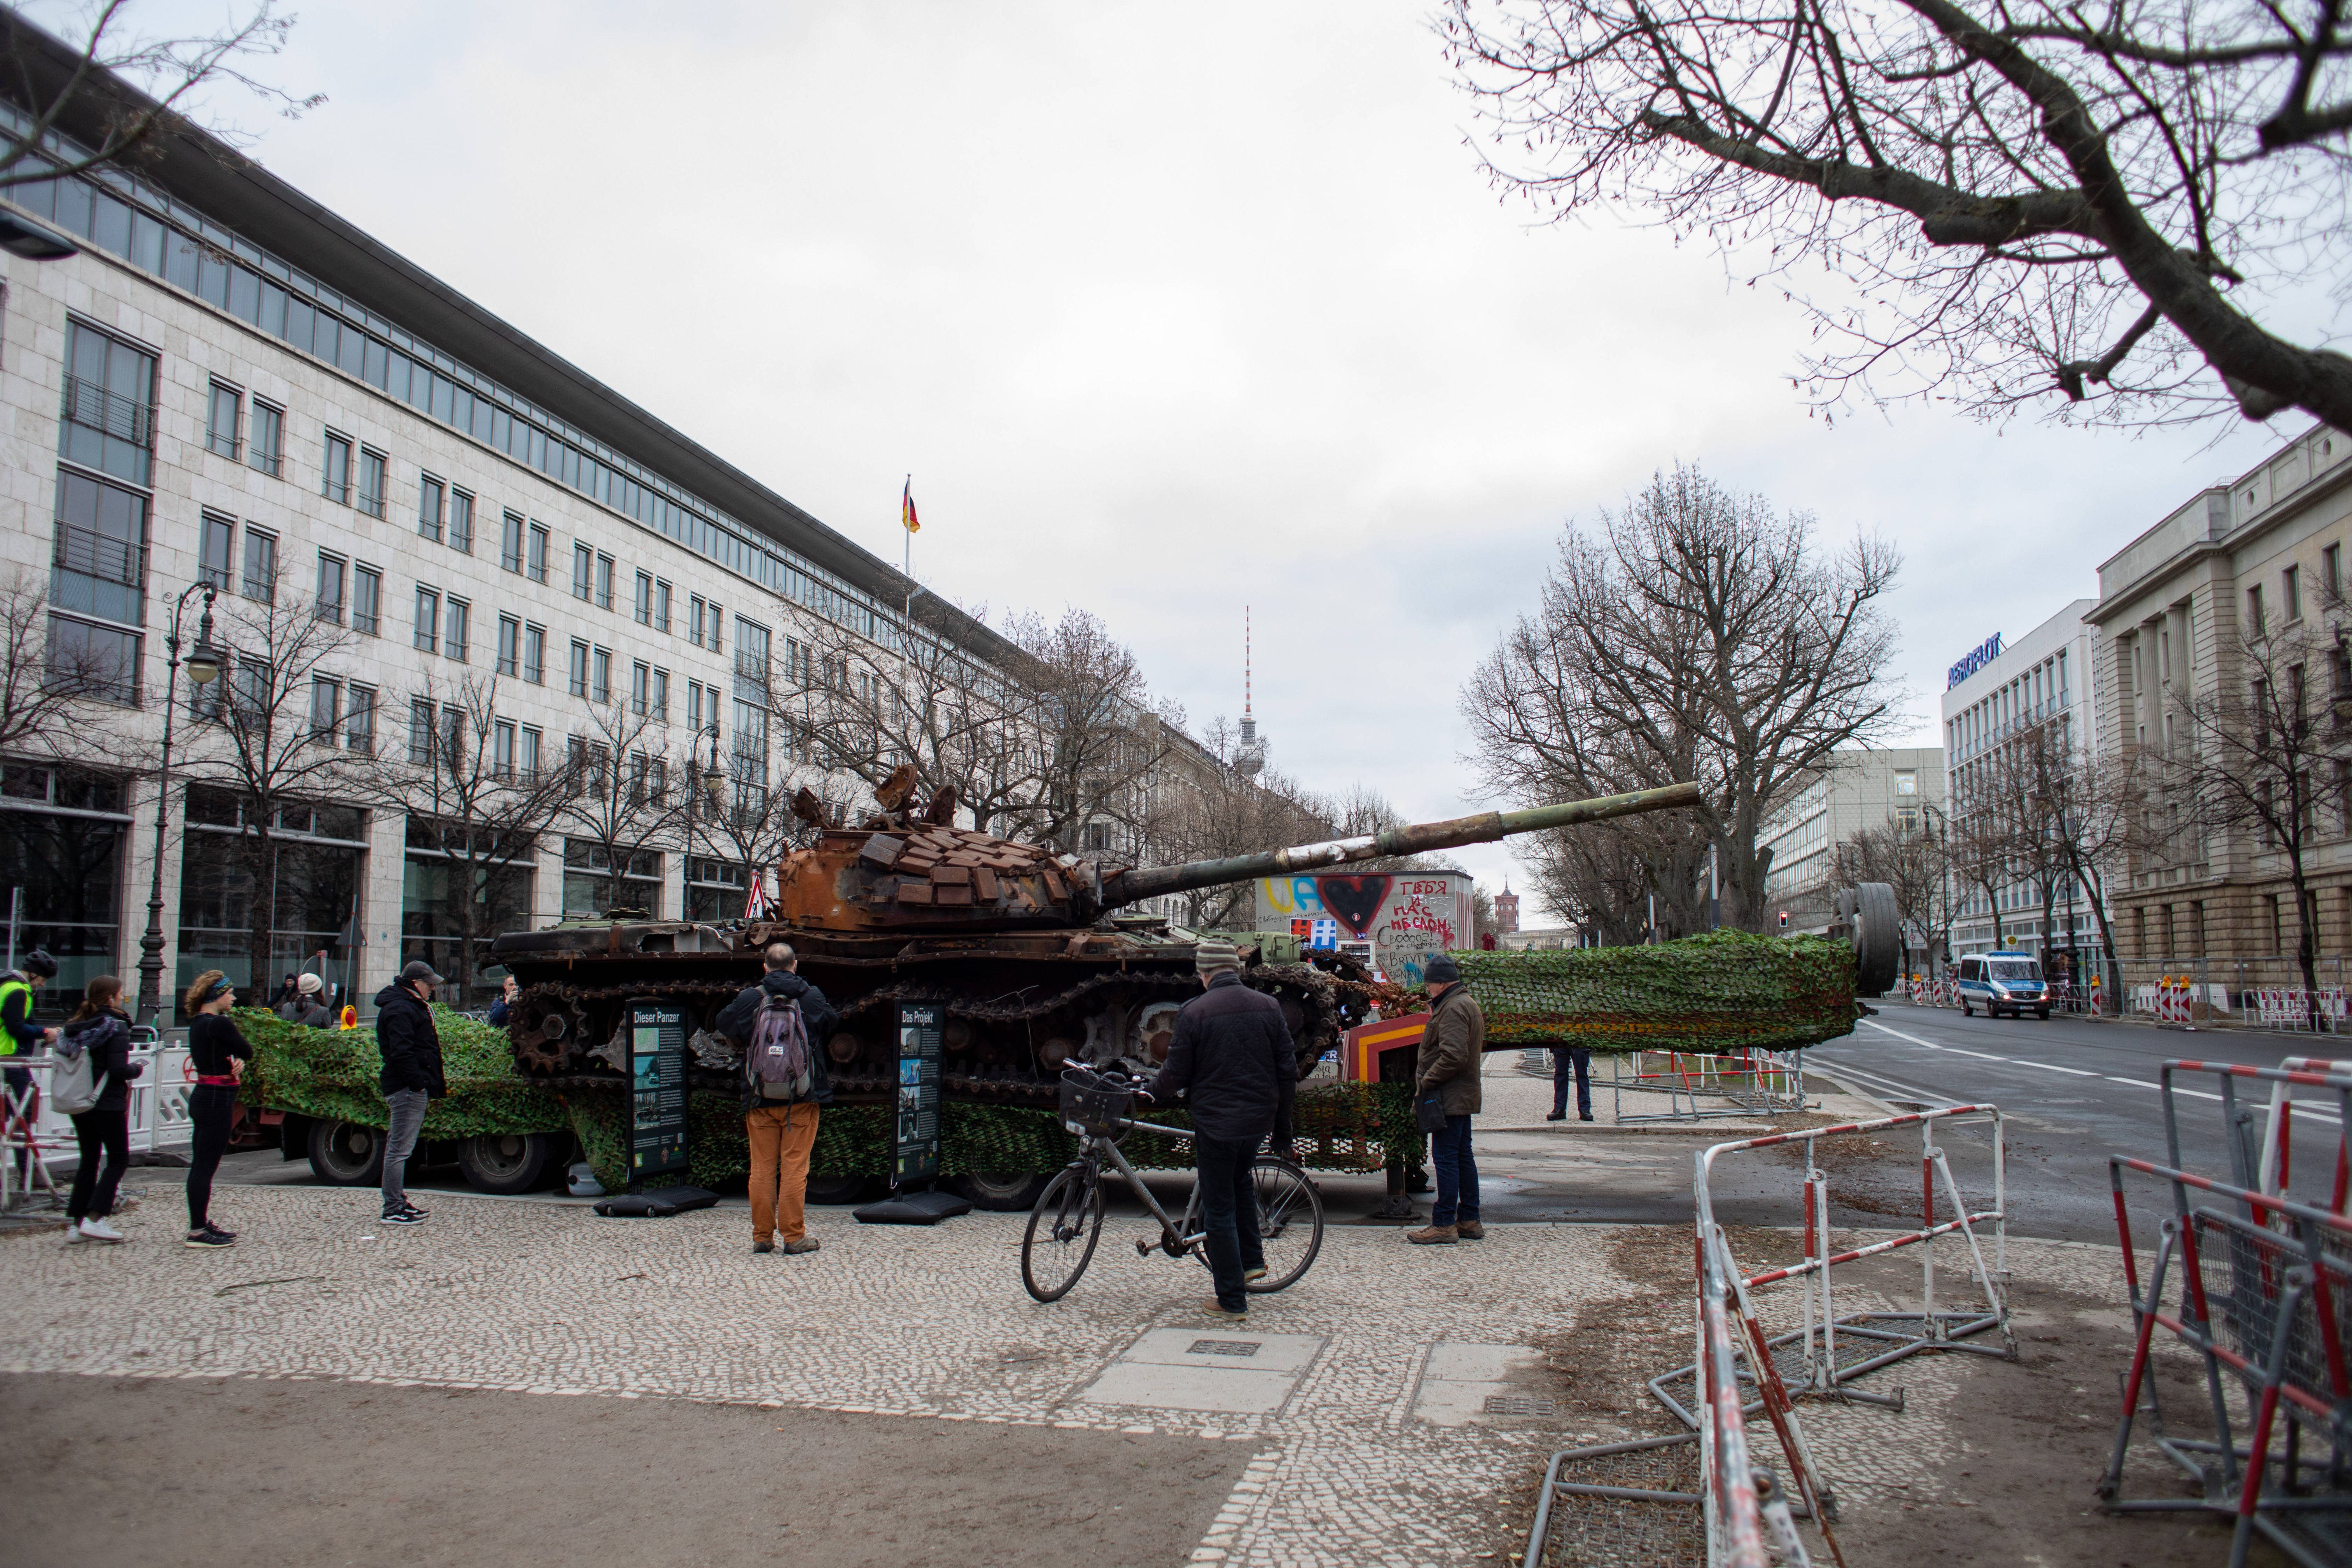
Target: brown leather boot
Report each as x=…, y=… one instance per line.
x=1435, y=1236
x=1470, y=1230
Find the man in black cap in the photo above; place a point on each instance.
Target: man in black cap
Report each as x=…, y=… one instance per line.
x=1452, y=1044
x=1231, y=1055
x=412, y=1077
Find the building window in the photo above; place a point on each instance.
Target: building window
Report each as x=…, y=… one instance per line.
x=2291, y=592
x=266, y=449
x=694, y=706
x=428, y=619
x=325, y=710
x=644, y=598
x=430, y=507
x=2254, y=627
x=641, y=679
x=222, y=421
x=359, y=719
x=335, y=481
x=534, y=653
x=528, y=760
x=420, y=732
x=260, y=565
x=375, y=471
x=661, y=605
x=600, y=676
x=330, y=588
x=714, y=627
x=695, y=610
x=109, y=416
x=578, y=668
x=2274, y=918
x=1906, y=819
x=511, y=531
x=1906, y=783
x=461, y=522
x=592, y=887
x=604, y=582
x=751, y=661
x=456, y=635
x=715, y=889
x=99, y=555
x=367, y=597
x=751, y=744
x=2331, y=573
x=502, y=748
x=660, y=699
x=94, y=661
x=510, y=643
x=216, y=550
x=584, y=572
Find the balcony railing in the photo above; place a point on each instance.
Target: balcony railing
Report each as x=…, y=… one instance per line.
x=88, y=403
x=94, y=554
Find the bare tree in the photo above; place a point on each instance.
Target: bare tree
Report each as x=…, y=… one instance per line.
x=270, y=745
x=619, y=806
x=45, y=677
x=1979, y=842
x=2025, y=200
x=470, y=801
x=744, y=824
x=1696, y=635
x=1208, y=809
x=1100, y=741
x=66, y=87
x=2257, y=760
x=2097, y=804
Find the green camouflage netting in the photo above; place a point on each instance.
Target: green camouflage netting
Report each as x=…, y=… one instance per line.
x=332, y=1074
x=1725, y=990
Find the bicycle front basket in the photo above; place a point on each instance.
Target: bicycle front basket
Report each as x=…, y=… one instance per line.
x=1088, y=1102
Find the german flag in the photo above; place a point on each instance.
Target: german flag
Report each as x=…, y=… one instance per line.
x=907, y=508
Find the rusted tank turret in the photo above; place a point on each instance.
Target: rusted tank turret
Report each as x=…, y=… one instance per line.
x=1023, y=944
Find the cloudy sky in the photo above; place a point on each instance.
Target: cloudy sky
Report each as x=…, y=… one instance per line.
x=1170, y=312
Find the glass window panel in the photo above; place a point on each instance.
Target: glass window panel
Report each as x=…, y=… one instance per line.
x=351, y=354
x=146, y=243
x=212, y=278
x=111, y=228
x=73, y=208
x=461, y=521
x=245, y=293
x=379, y=359
x=274, y=305
x=534, y=655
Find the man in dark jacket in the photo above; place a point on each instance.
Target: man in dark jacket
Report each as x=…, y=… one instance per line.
x=781, y=1126
x=1231, y=1055
x=411, y=1048
x=1452, y=1046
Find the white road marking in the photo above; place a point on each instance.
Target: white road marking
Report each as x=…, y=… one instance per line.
x=2053, y=1067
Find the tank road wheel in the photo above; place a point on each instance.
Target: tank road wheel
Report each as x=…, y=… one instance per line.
x=1059, y=1241
x=345, y=1154
x=547, y=1031
x=1004, y=1195
x=505, y=1162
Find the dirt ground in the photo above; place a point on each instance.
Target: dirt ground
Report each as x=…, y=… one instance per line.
x=235, y=1472
x=2032, y=1437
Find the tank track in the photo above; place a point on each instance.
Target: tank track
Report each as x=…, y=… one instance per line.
x=563, y=1062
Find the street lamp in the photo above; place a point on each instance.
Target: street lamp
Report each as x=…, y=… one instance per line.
x=203, y=662
x=714, y=778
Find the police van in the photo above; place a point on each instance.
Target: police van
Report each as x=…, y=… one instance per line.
x=2003, y=983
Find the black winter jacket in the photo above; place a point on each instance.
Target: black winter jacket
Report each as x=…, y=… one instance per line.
x=1233, y=1057
x=817, y=1016
x=106, y=1037
x=410, y=1045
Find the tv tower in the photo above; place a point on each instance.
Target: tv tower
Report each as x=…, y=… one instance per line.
x=1250, y=756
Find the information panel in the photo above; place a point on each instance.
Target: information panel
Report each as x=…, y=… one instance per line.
x=922, y=1027
x=656, y=1089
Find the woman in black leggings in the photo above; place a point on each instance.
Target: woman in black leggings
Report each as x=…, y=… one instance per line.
x=218, y=1053
x=101, y=1028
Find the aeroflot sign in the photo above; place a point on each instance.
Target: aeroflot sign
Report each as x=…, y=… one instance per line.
x=1983, y=654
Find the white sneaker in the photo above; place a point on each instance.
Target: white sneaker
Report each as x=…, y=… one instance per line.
x=98, y=1230
x=73, y=1232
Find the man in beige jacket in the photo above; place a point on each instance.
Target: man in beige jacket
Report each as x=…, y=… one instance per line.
x=1453, y=1046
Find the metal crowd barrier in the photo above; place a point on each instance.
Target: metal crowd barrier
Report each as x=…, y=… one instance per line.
x=2265, y=1304
x=1750, y=1083
x=34, y=1133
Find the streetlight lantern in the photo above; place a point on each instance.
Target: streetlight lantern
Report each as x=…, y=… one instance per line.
x=203, y=660
x=714, y=777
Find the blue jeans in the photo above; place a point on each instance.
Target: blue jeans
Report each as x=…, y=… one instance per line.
x=1229, y=1208
x=1564, y=1058
x=407, y=1115
x=1457, y=1174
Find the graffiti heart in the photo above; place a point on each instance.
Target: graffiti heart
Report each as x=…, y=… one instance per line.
x=1353, y=899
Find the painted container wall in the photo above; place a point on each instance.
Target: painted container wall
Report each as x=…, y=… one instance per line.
x=1407, y=916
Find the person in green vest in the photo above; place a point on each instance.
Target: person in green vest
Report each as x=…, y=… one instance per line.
x=18, y=1035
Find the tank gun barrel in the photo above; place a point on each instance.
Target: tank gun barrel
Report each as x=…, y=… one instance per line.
x=1152, y=881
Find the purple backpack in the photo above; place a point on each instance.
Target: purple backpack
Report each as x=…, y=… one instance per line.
x=777, y=1060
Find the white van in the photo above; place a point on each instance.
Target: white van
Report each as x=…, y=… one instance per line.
x=2003, y=983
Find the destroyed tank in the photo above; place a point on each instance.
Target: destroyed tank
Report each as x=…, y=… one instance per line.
x=1023, y=946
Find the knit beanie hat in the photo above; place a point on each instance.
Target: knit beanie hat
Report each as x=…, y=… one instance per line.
x=1440, y=969
x=308, y=984
x=1214, y=957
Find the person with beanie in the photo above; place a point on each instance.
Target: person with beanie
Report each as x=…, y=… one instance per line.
x=309, y=1007
x=1453, y=1046
x=1233, y=1060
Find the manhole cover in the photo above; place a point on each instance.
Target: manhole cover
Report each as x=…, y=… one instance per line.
x=1518, y=1404
x=1223, y=1347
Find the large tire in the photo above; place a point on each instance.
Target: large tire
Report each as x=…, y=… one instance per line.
x=506, y=1162
x=1004, y=1195
x=1878, y=936
x=345, y=1154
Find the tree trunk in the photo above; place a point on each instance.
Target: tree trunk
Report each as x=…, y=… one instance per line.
x=2112, y=1005
x=261, y=861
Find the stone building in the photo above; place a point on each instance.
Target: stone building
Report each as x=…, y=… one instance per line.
x=2189, y=612
x=1861, y=788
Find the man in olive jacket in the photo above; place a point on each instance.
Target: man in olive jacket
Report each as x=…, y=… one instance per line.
x=1453, y=1046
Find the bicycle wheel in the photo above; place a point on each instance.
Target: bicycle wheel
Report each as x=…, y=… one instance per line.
x=1289, y=1221
x=1060, y=1237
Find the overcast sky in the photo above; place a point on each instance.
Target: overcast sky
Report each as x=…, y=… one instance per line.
x=1169, y=311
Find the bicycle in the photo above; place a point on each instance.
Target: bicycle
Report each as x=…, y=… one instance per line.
x=1067, y=1222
